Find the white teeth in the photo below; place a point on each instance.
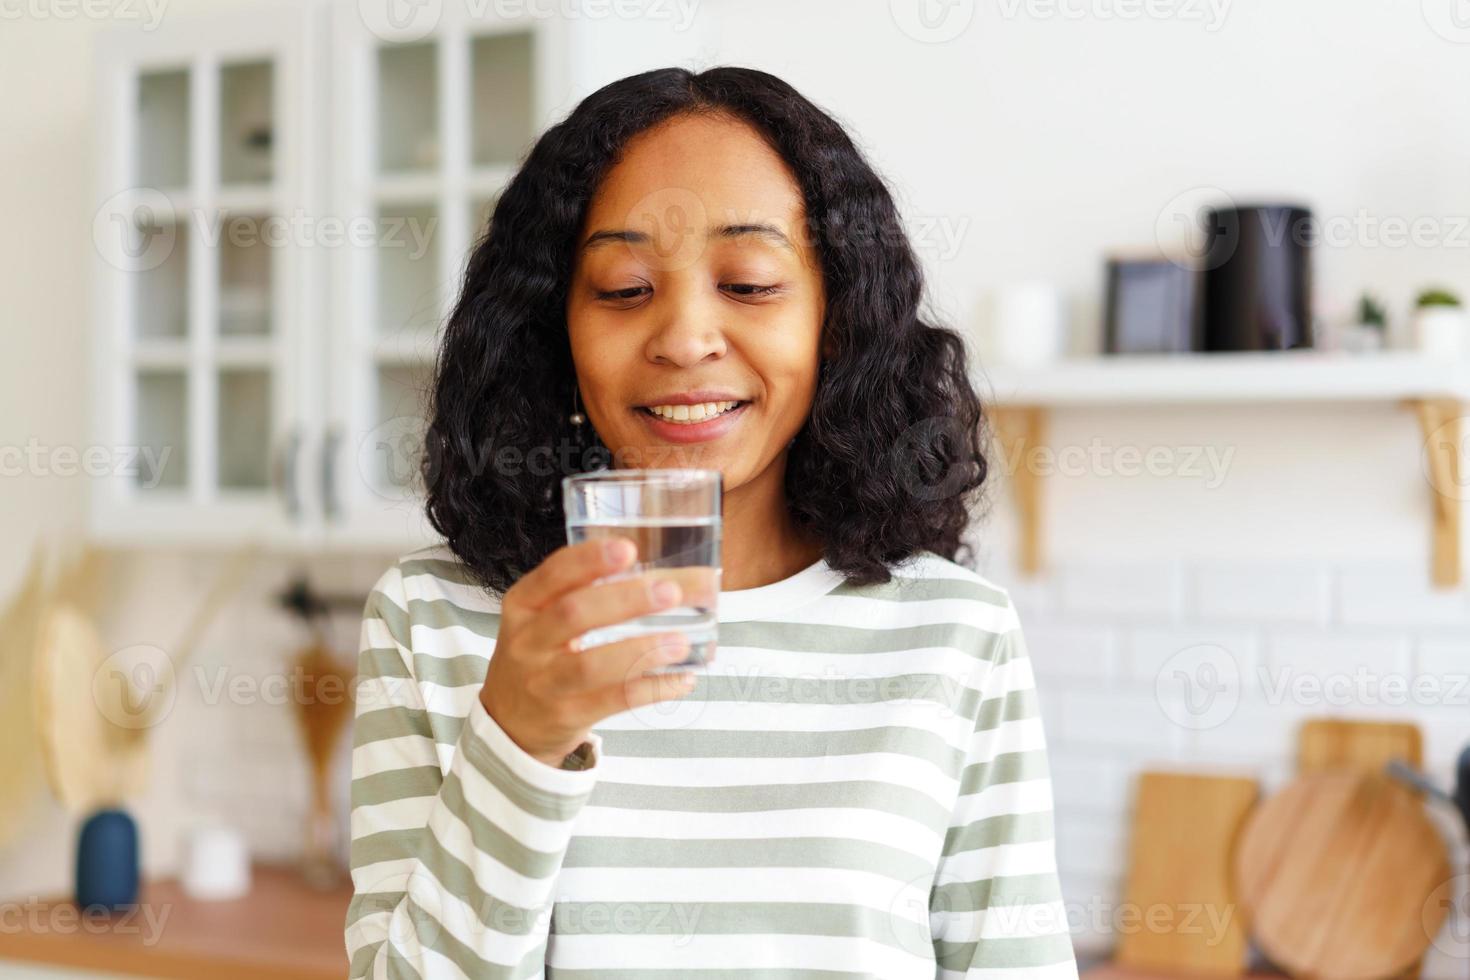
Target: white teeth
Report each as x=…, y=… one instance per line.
x=692, y=413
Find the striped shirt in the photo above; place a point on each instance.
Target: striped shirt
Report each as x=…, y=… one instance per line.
x=856, y=787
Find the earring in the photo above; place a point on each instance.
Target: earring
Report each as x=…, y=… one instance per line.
x=576, y=418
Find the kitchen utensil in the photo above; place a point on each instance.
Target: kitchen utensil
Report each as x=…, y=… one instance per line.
x=1458, y=796
x=674, y=517
x=1331, y=743
x=22, y=778
x=323, y=708
x=1184, y=827
x=1335, y=873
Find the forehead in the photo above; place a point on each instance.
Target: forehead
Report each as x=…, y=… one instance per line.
x=700, y=171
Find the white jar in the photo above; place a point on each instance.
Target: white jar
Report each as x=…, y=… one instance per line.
x=216, y=864
x=1439, y=331
x=1030, y=325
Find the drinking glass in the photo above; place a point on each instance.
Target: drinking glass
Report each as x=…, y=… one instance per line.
x=673, y=516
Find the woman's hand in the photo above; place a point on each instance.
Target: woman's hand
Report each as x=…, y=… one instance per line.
x=544, y=692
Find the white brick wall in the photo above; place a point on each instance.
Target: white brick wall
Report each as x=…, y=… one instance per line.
x=1307, y=639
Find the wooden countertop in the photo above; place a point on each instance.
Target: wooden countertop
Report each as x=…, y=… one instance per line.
x=282, y=930
x=1109, y=971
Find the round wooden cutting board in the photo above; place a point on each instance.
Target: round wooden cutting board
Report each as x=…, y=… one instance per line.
x=1334, y=873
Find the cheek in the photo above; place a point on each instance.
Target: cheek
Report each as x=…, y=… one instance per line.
x=790, y=371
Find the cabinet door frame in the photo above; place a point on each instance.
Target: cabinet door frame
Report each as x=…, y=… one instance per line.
x=361, y=514
x=201, y=511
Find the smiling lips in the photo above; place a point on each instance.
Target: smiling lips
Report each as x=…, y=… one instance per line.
x=697, y=412
x=693, y=416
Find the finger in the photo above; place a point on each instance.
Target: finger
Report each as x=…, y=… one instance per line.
x=592, y=606
x=699, y=583
x=570, y=567
x=613, y=664
x=649, y=688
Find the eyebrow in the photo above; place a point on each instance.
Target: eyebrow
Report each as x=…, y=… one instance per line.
x=769, y=233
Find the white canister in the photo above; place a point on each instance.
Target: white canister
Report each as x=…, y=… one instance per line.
x=1029, y=325
x=1439, y=331
x=216, y=864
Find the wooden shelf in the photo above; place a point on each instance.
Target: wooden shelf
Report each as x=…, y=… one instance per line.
x=1265, y=377
x=1437, y=391
x=282, y=930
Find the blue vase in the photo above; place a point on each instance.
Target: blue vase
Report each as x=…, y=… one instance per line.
x=107, y=861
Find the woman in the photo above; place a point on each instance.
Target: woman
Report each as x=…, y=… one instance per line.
x=701, y=269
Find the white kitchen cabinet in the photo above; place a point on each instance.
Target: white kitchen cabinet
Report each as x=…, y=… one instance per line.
x=431, y=129
x=285, y=202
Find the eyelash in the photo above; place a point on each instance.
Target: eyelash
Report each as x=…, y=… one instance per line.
x=753, y=290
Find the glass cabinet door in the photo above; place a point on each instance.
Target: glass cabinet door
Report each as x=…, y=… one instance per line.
x=197, y=358
x=439, y=121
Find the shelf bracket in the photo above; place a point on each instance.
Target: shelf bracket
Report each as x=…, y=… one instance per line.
x=1440, y=424
x=1021, y=430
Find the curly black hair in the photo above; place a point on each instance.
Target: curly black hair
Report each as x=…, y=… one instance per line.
x=891, y=458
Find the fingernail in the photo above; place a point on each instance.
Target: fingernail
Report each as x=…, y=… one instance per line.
x=687, y=679
x=665, y=593
x=617, y=550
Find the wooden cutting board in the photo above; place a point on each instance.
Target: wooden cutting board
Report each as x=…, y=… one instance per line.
x=1335, y=872
x=1184, y=828
x=1335, y=743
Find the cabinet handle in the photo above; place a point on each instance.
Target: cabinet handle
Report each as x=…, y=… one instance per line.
x=331, y=506
x=287, y=484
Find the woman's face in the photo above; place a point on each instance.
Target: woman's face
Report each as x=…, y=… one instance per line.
x=696, y=302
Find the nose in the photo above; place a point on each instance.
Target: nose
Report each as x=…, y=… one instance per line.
x=687, y=337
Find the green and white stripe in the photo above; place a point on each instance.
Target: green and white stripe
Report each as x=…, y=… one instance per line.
x=857, y=787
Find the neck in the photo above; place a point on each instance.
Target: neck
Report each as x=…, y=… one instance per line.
x=761, y=543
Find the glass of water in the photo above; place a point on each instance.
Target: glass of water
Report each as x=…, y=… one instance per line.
x=673, y=516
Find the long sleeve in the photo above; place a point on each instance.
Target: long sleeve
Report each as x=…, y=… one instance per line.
x=996, y=910
x=457, y=838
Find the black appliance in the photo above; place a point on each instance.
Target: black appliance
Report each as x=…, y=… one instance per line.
x=1257, y=267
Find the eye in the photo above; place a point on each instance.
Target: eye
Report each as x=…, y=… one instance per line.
x=621, y=295
x=752, y=289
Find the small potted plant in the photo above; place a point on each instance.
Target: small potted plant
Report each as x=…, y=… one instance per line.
x=1439, y=324
x=1371, y=329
